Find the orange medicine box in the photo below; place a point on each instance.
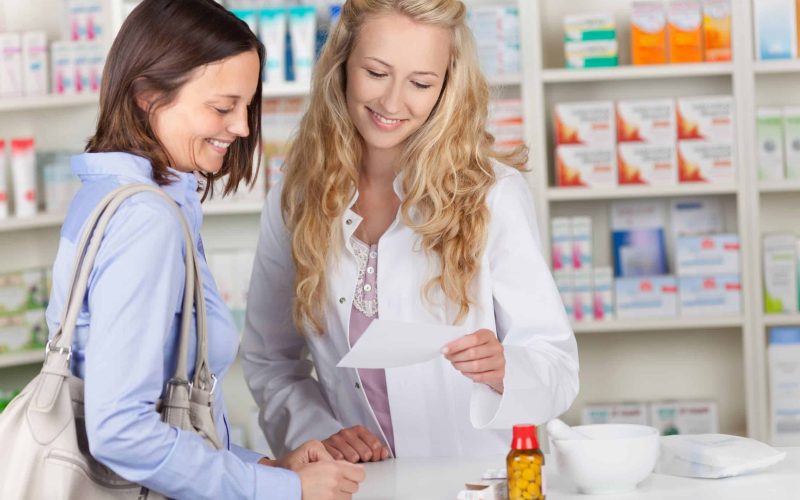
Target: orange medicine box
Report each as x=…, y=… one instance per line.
x=651, y=121
x=706, y=161
x=588, y=123
x=648, y=32
x=586, y=166
x=717, y=29
x=685, y=23
x=706, y=117
x=647, y=164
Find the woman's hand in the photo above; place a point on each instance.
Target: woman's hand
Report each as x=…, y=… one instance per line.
x=330, y=480
x=308, y=452
x=356, y=444
x=480, y=357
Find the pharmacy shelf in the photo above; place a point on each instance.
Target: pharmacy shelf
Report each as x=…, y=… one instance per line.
x=21, y=358
x=659, y=71
x=53, y=220
x=47, y=102
x=233, y=208
x=775, y=67
x=657, y=324
x=34, y=222
x=504, y=80
x=557, y=194
x=288, y=89
x=781, y=186
x=788, y=319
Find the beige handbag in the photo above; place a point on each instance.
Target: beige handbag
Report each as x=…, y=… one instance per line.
x=45, y=453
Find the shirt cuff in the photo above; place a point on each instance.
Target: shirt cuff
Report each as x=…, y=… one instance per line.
x=245, y=455
x=274, y=482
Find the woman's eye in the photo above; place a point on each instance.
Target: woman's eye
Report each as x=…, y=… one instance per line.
x=223, y=111
x=375, y=74
x=422, y=86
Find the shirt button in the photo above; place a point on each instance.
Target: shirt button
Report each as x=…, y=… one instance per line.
x=367, y=288
x=370, y=270
x=358, y=386
x=348, y=221
x=373, y=255
x=342, y=300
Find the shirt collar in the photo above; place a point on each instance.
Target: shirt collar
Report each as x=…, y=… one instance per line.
x=183, y=188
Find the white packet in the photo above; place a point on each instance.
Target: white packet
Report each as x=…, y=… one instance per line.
x=714, y=455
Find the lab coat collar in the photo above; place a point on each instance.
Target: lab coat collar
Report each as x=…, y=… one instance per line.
x=136, y=168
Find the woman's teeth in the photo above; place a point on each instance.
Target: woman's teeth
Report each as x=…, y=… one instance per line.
x=382, y=119
x=219, y=144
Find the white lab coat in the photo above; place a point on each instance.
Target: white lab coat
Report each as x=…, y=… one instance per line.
x=436, y=411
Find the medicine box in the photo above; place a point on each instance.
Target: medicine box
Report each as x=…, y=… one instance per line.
x=614, y=413
x=647, y=164
x=717, y=30
x=707, y=255
x=22, y=331
x=649, y=297
x=586, y=166
x=705, y=117
x=587, y=123
x=563, y=281
x=11, y=84
x=22, y=291
x=582, y=295
x=780, y=273
x=685, y=417
x=775, y=29
x=710, y=295
x=581, y=228
x=706, y=161
x=783, y=354
x=588, y=27
x=769, y=133
x=651, y=121
x=34, y=63
x=791, y=141
x=684, y=27
x=561, y=236
x=591, y=54
x=603, y=293
x=648, y=32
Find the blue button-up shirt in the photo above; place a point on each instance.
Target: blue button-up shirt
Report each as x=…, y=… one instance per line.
x=126, y=339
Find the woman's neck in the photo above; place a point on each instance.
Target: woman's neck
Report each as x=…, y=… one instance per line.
x=378, y=168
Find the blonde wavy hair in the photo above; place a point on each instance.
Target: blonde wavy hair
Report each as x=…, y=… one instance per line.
x=446, y=164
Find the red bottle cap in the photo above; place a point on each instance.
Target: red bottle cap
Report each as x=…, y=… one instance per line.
x=524, y=438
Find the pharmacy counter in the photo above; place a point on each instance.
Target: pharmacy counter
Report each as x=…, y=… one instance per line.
x=441, y=479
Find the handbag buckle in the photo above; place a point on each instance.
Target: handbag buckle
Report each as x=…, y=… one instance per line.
x=59, y=350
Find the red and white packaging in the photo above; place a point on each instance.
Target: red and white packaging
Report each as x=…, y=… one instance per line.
x=647, y=164
x=586, y=123
x=706, y=161
x=651, y=121
x=586, y=166
x=706, y=117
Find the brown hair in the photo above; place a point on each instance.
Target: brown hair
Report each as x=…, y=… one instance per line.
x=159, y=45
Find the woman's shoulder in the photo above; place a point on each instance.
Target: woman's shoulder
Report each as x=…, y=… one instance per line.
x=145, y=210
x=510, y=185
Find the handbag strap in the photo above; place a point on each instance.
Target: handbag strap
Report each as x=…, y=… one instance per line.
x=86, y=252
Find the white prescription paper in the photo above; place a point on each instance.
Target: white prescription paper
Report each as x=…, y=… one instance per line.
x=389, y=344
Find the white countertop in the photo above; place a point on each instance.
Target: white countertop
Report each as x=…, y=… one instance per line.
x=443, y=478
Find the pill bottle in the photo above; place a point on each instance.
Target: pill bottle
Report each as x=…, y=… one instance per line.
x=525, y=465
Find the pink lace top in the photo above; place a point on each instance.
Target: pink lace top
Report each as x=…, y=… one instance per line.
x=365, y=309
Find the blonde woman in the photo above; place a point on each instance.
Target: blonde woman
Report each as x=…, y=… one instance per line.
x=395, y=205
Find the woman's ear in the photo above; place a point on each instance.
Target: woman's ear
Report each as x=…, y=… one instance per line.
x=144, y=100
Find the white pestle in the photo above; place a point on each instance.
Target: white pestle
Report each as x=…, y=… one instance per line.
x=558, y=430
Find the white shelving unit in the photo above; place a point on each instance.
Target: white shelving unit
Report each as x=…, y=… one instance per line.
x=686, y=358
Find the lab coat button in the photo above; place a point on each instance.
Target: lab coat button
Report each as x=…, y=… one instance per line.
x=342, y=300
x=370, y=270
x=358, y=386
x=348, y=221
x=367, y=288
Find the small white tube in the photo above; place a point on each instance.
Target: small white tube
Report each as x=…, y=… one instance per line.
x=23, y=172
x=272, y=30
x=302, y=26
x=3, y=182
